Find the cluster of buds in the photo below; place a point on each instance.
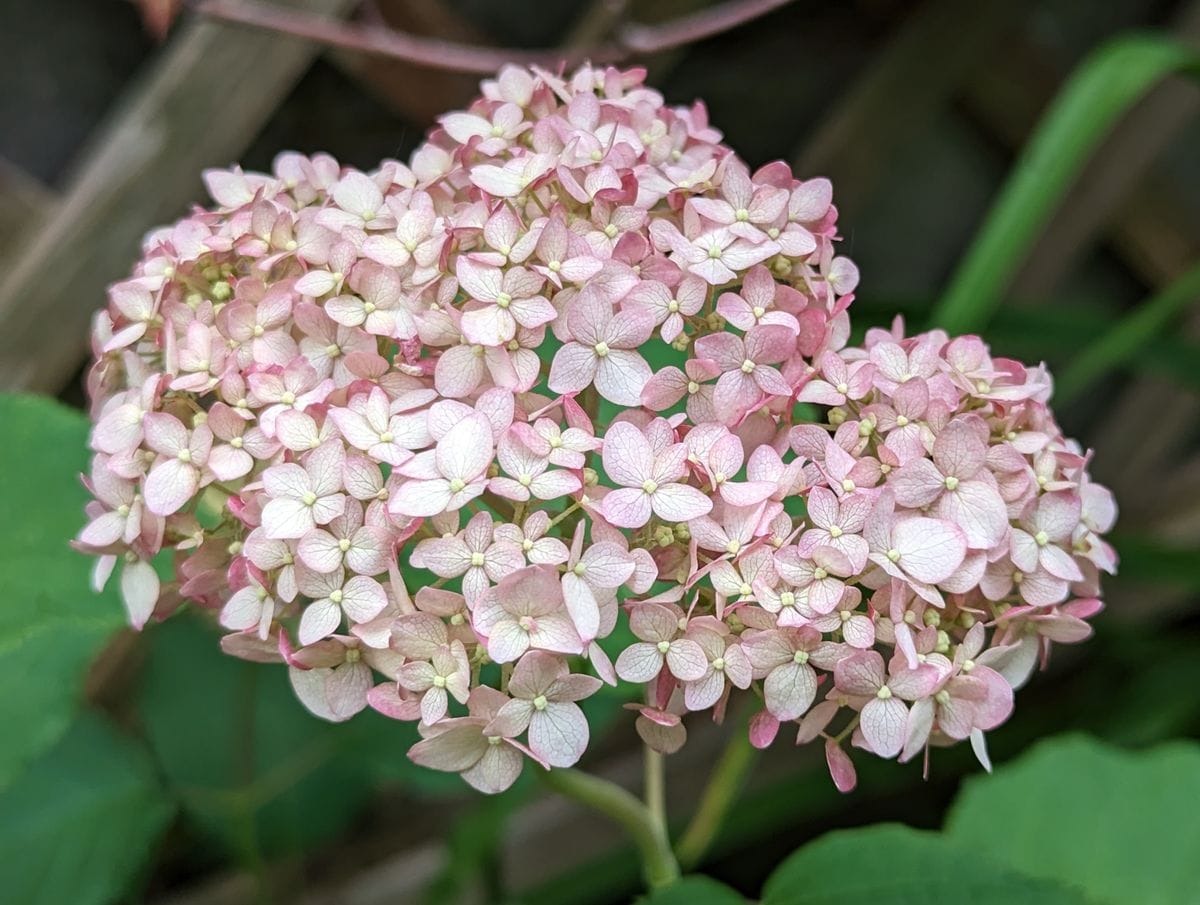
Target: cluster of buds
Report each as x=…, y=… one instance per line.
x=399, y=432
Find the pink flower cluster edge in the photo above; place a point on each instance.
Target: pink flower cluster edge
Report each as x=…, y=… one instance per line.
x=399, y=431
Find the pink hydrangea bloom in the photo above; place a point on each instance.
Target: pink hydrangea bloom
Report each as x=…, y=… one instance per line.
x=649, y=480
x=330, y=379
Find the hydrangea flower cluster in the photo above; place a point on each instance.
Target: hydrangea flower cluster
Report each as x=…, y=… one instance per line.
x=401, y=431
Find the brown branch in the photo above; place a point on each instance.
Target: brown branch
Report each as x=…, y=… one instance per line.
x=629, y=40
x=646, y=39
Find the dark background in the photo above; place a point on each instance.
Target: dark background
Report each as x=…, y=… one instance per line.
x=915, y=110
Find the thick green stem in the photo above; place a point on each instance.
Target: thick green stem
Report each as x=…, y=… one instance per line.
x=654, y=790
x=719, y=795
x=658, y=861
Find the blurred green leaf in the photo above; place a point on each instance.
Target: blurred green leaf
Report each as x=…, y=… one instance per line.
x=695, y=890
x=252, y=768
x=1153, y=666
x=474, y=846
x=1130, y=335
x=80, y=825
x=52, y=625
x=1107, y=84
x=1146, y=560
x=1121, y=826
x=889, y=864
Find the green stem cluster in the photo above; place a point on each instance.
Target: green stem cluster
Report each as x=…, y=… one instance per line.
x=646, y=821
x=649, y=835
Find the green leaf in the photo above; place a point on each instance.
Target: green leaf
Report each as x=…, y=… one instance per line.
x=1147, y=560
x=474, y=844
x=253, y=769
x=1121, y=826
x=695, y=890
x=81, y=823
x=889, y=864
x=52, y=624
x=1108, y=83
x=1129, y=336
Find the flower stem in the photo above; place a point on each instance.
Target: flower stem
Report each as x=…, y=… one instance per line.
x=658, y=861
x=562, y=515
x=654, y=790
x=719, y=795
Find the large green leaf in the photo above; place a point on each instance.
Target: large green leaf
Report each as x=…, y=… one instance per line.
x=890, y=864
x=695, y=890
x=252, y=767
x=80, y=824
x=1121, y=826
x=51, y=624
x=1108, y=83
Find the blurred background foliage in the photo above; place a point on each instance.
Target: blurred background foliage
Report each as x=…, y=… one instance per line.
x=981, y=187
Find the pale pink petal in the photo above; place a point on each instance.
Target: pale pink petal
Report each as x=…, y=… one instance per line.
x=346, y=690
x=686, y=660
x=581, y=605
x=883, y=721
x=170, y=485
x=556, y=633
x=705, y=691
x=626, y=455
x=139, y=591
x=917, y=484
x=916, y=731
x=488, y=326
x=976, y=508
x=861, y=673
x=628, y=507
x=664, y=389
x=467, y=449
x=930, y=549
x=573, y=368
x=789, y=690
x=558, y=734
x=554, y=484
x=357, y=193
x=841, y=768
x=507, y=641
x=1059, y=563
x=641, y=662
x=164, y=433
x=621, y=375
x=459, y=371
x=309, y=686
x=496, y=771
x=678, y=502
x=363, y=598
x=319, y=620
x=959, y=450
x=453, y=751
